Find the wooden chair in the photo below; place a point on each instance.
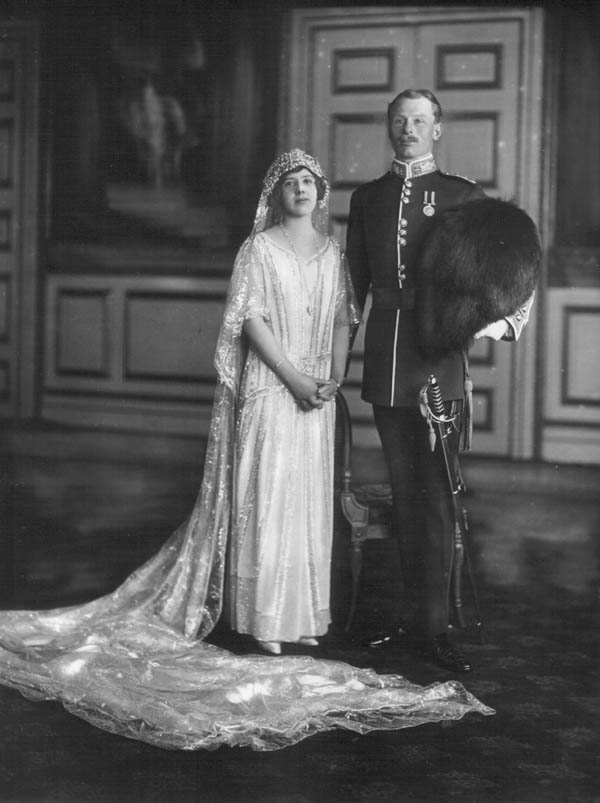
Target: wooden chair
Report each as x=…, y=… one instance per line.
x=366, y=508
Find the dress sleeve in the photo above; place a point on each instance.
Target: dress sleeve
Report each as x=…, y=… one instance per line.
x=347, y=312
x=246, y=298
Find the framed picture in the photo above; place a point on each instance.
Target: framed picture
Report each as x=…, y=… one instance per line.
x=133, y=131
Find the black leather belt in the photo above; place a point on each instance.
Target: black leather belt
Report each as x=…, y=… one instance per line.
x=393, y=298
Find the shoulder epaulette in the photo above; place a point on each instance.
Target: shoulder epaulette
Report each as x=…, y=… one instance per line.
x=457, y=175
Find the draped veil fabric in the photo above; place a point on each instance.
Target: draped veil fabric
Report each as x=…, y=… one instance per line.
x=135, y=663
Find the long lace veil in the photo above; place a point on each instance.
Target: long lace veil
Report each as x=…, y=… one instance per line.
x=182, y=585
x=135, y=662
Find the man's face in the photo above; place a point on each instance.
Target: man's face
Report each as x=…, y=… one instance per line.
x=413, y=128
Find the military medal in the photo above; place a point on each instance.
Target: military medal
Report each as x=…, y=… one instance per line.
x=429, y=203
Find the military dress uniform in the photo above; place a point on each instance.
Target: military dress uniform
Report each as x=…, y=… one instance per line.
x=388, y=222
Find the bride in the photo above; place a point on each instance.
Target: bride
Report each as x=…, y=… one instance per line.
x=135, y=662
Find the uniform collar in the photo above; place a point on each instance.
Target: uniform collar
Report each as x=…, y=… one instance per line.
x=418, y=167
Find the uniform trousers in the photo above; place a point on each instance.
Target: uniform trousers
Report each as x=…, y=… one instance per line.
x=423, y=516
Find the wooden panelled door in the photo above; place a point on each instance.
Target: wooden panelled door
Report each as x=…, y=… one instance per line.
x=345, y=65
x=19, y=198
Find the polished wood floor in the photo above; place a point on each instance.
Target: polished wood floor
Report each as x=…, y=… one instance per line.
x=80, y=510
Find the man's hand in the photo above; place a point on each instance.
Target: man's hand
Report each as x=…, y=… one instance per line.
x=496, y=330
x=328, y=389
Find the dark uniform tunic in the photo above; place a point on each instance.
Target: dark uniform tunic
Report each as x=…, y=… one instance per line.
x=389, y=219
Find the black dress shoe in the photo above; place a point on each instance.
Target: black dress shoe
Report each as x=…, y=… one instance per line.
x=447, y=655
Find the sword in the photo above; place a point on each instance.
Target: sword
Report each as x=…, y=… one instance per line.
x=441, y=426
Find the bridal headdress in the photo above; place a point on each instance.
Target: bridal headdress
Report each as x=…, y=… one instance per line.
x=286, y=163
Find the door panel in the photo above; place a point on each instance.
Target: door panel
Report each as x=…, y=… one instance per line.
x=348, y=124
x=346, y=67
x=18, y=217
x=474, y=68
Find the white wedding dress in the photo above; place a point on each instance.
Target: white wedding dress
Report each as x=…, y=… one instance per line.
x=134, y=662
x=282, y=506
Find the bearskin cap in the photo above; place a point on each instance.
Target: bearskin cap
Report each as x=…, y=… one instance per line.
x=480, y=262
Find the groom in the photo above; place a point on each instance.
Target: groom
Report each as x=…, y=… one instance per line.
x=388, y=223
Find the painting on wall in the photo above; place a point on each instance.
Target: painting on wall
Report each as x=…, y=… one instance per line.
x=134, y=126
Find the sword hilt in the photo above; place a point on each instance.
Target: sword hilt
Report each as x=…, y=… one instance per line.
x=434, y=394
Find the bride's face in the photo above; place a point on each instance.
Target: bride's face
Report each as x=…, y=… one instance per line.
x=298, y=193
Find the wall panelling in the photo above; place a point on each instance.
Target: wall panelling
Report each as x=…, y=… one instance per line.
x=571, y=431
x=134, y=351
